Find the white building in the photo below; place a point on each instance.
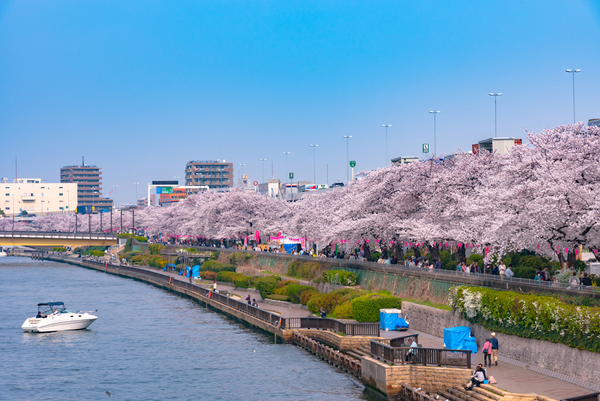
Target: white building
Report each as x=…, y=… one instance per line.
x=33, y=196
x=498, y=145
x=405, y=160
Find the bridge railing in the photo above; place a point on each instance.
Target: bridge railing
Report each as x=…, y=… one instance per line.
x=57, y=235
x=420, y=355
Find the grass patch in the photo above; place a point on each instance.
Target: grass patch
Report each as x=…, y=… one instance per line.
x=428, y=303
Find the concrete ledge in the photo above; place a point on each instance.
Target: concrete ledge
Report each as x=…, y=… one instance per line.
x=343, y=343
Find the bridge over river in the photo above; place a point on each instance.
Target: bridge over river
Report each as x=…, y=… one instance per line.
x=39, y=238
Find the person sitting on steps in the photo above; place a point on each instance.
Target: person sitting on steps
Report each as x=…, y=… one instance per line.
x=477, y=379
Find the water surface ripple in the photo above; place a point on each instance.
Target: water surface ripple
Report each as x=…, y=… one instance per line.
x=148, y=344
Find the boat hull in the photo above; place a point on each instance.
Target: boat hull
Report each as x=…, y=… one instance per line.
x=63, y=323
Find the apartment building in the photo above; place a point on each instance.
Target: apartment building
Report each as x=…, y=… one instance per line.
x=214, y=174
x=89, y=186
x=31, y=196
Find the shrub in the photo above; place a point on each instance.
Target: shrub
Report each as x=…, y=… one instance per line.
x=294, y=291
x=191, y=250
x=128, y=255
x=529, y=316
x=127, y=247
x=375, y=256
x=217, y=267
x=138, y=259
x=307, y=295
x=340, y=277
x=303, y=270
x=281, y=290
x=326, y=301
x=479, y=259
x=97, y=253
x=243, y=281
x=124, y=235
x=266, y=285
x=524, y=272
x=59, y=249
x=366, y=308
x=155, y=249
x=226, y=276
x=278, y=297
x=139, y=238
x=531, y=261
x=208, y=275
x=343, y=311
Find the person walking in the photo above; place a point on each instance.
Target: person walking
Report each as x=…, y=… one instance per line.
x=509, y=273
x=214, y=286
x=487, y=353
x=494, y=342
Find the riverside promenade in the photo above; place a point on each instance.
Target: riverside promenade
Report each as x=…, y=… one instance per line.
x=510, y=377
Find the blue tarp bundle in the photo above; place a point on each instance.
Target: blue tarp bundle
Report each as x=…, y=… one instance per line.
x=290, y=247
x=459, y=338
x=196, y=271
x=391, y=319
x=168, y=265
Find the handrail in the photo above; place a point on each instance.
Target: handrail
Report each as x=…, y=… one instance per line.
x=347, y=328
x=420, y=355
x=58, y=235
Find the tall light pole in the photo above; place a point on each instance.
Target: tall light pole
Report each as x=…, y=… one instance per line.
x=386, y=126
x=347, y=157
x=573, y=71
x=242, y=172
x=263, y=168
x=434, y=131
x=136, y=185
x=495, y=112
x=286, y=169
x=314, y=163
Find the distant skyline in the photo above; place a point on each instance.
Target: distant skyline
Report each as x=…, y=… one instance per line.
x=142, y=87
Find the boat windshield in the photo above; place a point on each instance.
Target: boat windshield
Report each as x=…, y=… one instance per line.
x=49, y=308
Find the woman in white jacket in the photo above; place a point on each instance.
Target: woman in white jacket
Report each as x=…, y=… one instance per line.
x=477, y=378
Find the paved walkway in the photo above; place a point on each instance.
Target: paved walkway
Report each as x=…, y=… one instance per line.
x=512, y=378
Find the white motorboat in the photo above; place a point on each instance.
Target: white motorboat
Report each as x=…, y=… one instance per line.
x=2, y=253
x=53, y=316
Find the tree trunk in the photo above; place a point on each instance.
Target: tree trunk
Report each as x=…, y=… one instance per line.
x=399, y=251
x=435, y=252
x=461, y=251
x=417, y=252
x=571, y=258
x=384, y=250
x=367, y=251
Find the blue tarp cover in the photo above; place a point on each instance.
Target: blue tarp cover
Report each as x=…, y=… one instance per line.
x=391, y=319
x=196, y=271
x=459, y=338
x=289, y=247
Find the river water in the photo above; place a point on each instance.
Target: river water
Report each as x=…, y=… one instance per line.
x=147, y=344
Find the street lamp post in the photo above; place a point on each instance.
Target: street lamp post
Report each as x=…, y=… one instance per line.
x=286, y=169
x=495, y=112
x=314, y=163
x=263, y=168
x=136, y=185
x=434, y=131
x=347, y=137
x=573, y=71
x=386, y=126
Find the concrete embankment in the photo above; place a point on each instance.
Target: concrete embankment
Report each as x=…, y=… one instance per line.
x=193, y=291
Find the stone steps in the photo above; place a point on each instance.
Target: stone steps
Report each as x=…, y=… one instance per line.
x=487, y=393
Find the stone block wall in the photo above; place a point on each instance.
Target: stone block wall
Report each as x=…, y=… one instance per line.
x=343, y=343
x=389, y=379
x=531, y=353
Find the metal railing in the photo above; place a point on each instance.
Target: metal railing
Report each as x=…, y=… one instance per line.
x=347, y=328
x=420, y=355
x=400, y=341
x=440, y=274
x=588, y=397
x=57, y=235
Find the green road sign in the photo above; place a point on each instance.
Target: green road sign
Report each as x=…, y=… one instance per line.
x=352, y=163
x=291, y=176
x=167, y=190
x=425, y=148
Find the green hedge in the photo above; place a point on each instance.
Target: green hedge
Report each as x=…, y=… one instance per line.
x=124, y=235
x=208, y=275
x=266, y=285
x=278, y=297
x=326, y=301
x=303, y=270
x=226, y=276
x=529, y=316
x=340, y=277
x=243, y=281
x=97, y=253
x=214, y=266
x=155, y=249
x=295, y=291
x=59, y=249
x=366, y=307
x=139, y=238
x=343, y=311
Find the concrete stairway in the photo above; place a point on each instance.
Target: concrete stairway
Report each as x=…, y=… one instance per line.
x=484, y=393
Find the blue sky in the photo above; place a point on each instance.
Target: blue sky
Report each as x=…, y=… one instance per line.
x=141, y=87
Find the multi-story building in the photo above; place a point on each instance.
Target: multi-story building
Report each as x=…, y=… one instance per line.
x=89, y=186
x=143, y=202
x=31, y=196
x=214, y=174
x=405, y=160
x=498, y=145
